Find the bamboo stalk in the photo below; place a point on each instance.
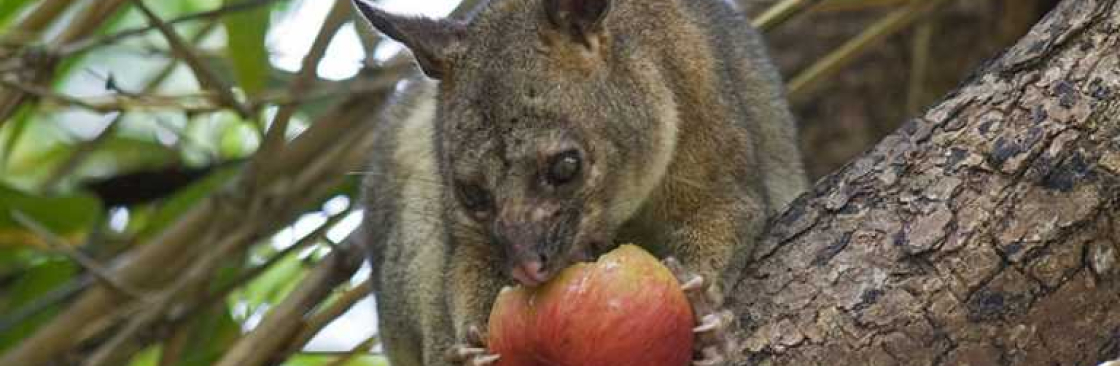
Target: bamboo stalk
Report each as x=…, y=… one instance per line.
x=84, y=45
x=36, y=21
x=42, y=71
x=59, y=245
x=205, y=75
x=88, y=20
x=279, y=325
x=276, y=137
x=320, y=319
x=782, y=12
x=856, y=47
x=919, y=66
x=855, y=5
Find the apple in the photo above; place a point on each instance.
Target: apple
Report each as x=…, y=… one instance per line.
x=626, y=309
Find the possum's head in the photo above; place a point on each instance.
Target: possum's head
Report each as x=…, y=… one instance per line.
x=553, y=129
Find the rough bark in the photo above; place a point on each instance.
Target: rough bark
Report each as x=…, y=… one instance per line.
x=986, y=232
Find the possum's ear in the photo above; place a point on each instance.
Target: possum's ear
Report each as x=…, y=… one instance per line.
x=581, y=19
x=434, y=43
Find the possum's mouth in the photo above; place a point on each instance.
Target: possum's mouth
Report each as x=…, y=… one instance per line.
x=530, y=274
x=536, y=273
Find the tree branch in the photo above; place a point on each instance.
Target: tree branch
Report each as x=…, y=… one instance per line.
x=89, y=264
x=276, y=137
x=317, y=166
x=281, y=324
x=207, y=77
x=88, y=44
x=781, y=12
x=984, y=232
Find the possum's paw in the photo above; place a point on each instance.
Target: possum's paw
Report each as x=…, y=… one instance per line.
x=473, y=352
x=714, y=342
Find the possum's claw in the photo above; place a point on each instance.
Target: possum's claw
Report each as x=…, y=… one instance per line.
x=694, y=283
x=714, y=343
x=474, y=352
x=483, y=360
x=711, y=357
x=471, y=356
x=714, y=322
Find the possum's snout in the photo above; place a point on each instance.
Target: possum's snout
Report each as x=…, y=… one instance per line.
x=530, y=274
x=537, y=242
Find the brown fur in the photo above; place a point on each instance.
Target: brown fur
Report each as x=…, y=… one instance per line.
x=686, y=146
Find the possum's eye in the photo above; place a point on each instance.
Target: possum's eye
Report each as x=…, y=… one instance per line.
x=564, y=168
x=474, y=197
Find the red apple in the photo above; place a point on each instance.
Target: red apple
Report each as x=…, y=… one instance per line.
x=627, y=309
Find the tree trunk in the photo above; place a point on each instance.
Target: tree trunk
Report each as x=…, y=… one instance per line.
x=985, y=232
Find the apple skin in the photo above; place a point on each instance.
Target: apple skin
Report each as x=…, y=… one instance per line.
x=627, y=309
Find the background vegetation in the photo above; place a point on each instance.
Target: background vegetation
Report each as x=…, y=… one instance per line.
x=169, y=195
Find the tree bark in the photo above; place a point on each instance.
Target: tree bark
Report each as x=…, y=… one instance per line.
x=986, y=232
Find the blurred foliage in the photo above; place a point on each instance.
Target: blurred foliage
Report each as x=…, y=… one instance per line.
x=315, y=360
x=57, y=157
x=41, y=275
x=69, y=216
x=246, y=32
x=8, y=8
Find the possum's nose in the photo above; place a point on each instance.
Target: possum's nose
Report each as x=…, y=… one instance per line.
x=523, y=232
x=530, y=274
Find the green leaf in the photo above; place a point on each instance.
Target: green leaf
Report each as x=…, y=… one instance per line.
x=68, y=216
x=224, y=135
x=121, y=154
x=29, y=169
x=273, y=285
x=237, y=140
x=210, y=335
x=37, y=281
x=320, y=360
x=18, y=124
x=8, y=8
x=42, y=275
x=147, y=357
x=173, y=209
x=13, y=260
x=43, y=148
x=246, y=32
x=192, y=6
